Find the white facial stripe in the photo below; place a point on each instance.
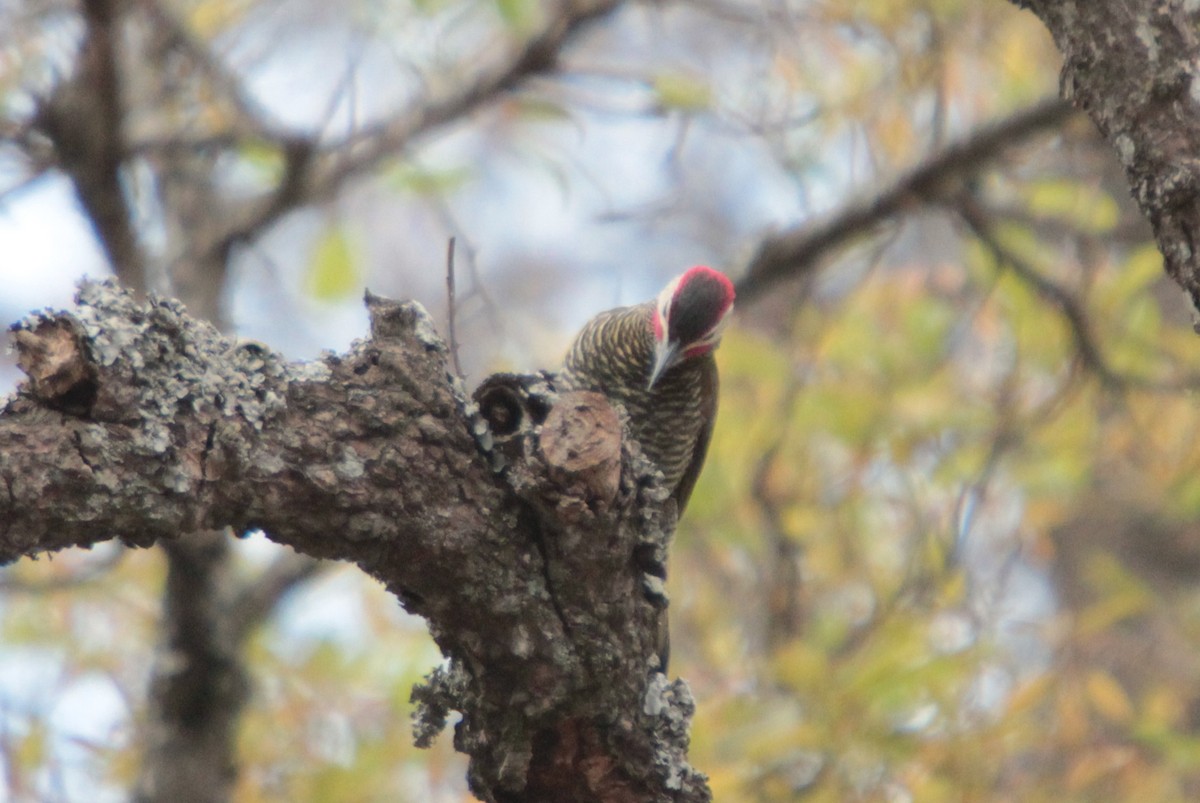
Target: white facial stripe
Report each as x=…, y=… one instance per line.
x=664, y=303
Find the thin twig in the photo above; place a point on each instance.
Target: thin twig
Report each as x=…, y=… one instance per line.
x=781, y=574
x=333, y=164
x=798, y=250
x=249, y=118
x=258, y=599
x=450, y=305
x=1073, y=310
x=89, y=573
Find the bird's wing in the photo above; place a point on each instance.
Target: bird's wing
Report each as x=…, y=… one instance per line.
x=708, y=415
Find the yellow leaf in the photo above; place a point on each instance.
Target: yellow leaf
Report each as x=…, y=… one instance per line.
x=1086, y=204
x=31, y=749
x=1095, y=764
x=215, y=16
x=1031, y=694
x=801, y=665
x=1162, y=708
x=1071, y=713
x=1107, y=697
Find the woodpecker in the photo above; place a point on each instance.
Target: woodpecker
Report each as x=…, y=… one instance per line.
x=656, y=359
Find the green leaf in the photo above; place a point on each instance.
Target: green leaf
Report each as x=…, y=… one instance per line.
x=263, y=158
x=428, y=181
x=32, y=748
x=518, y=14
x=1089, y=206
x=1141, y=270
x=335, y=272
x=683, y=92
x=536, y=110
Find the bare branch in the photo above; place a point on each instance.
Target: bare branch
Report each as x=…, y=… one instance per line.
x=781, y=575
x=250, y=118
x=84, y=119
x=332, y=165
x=801, y=249
x=451, y=307
x=258, y=599
x=199, y=685
x=1073, y=311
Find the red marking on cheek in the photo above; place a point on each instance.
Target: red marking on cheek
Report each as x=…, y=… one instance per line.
x=696, y=351
x=658, y=325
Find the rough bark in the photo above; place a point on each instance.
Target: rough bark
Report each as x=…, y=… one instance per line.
x=139, y=421
x=1131, y=65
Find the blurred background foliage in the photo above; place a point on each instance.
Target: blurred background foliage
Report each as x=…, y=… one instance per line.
x=944, y=547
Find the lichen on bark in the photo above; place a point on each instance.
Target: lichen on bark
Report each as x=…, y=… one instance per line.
x=139, y=423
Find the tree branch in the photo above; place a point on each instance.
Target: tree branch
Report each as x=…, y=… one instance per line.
x=1073, y=311
x=199, y=686
x=249, y=117
x=320, y=172
x=256, y=600
x=140, y=421
x=1131, y=67
x=85, y=120
x=800, y=249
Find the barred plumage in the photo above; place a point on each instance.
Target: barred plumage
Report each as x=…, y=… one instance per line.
x=613, y=355
x=656, y=359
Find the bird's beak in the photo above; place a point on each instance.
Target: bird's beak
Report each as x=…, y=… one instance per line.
x=666, y=352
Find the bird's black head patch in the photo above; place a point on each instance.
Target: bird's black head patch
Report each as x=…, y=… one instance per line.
x=700, y=301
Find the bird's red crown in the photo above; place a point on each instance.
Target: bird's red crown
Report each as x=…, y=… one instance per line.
x=691, y=309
